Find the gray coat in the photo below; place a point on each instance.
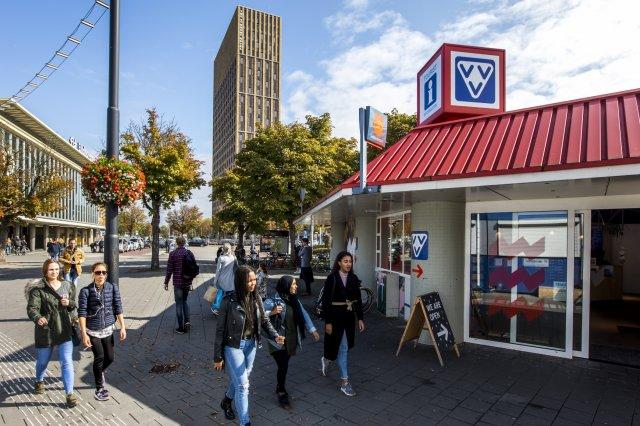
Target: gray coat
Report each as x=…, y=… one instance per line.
x=225, y=270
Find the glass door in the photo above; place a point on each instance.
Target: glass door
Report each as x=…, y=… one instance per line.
x=581, y=282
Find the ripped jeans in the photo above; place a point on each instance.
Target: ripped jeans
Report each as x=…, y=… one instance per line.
x=239, y=363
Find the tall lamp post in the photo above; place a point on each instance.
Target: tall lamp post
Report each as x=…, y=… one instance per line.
x=111, y=253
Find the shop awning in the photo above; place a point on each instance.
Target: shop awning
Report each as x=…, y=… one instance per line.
x=592, y=132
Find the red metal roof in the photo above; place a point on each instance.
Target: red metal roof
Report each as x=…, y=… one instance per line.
x=592, y=132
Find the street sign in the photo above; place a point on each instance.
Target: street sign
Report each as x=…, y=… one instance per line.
x=420, y=245
x=428, y=314
x=376, y=127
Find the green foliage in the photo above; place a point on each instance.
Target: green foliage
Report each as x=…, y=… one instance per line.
x=132, y=220
x=185, y=219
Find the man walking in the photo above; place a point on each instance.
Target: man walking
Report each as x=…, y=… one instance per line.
x=178, y=258
x=306, y=273
x=72, y=259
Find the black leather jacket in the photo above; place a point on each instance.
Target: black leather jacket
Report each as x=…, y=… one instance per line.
x=231, y=324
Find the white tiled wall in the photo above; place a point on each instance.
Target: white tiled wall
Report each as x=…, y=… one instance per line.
x=444, y=270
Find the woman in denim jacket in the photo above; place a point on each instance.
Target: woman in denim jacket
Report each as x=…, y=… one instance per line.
x=290, y=320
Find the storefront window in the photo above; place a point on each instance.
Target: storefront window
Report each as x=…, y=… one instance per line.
x=384, y=237
x=393, y=243
x=406, y=252
x=396, y=227
x=518, y=278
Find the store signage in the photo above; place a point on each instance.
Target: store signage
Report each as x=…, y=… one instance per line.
x=420, y=245
x=430, y=90
x=376, y=127
x=418, y=270
x=428, y=314
x=459, y=82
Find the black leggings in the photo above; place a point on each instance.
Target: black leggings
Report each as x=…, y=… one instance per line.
x=282, y=360
x=102, y=357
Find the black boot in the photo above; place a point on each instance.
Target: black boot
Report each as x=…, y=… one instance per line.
x=283, y=400
x=227, y=407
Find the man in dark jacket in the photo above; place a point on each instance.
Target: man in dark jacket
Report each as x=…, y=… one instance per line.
x=181, y=284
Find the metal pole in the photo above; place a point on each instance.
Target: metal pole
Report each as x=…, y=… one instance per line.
x=111, y=253
x=363, y=151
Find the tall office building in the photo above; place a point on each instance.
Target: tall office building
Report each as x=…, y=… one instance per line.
x=246, y=83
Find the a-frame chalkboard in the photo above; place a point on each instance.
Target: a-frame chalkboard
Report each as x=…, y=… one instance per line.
x=428, y=314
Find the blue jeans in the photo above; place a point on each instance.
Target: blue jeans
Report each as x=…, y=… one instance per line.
x=342, y=357
x=65, y=353
x=239, y=363
x=182, y=306
x=72, y=277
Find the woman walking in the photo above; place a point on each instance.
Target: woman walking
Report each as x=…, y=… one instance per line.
x=237, y=336
x=99, y=305
x=224, y=280
x=342, y=302
x=290, y=320
x=51, y=306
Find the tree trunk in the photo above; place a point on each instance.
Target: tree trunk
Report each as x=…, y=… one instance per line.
x=155, y=235
x=292, y=242
x=3, y=242
x=241, y=232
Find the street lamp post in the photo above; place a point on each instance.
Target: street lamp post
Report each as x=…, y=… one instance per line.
x=111, y=253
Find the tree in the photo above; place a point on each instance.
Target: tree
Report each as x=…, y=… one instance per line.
x=185, y=219
x=145, y=230
x=27, y=192
x=164, y=155
x=398, y=125
x=164, y=231
x=274, y=166
x=131, y=220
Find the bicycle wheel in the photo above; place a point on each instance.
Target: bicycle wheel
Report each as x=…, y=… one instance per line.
x=367, y=298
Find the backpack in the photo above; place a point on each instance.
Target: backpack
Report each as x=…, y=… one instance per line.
x=190, y=268
x=319, y=309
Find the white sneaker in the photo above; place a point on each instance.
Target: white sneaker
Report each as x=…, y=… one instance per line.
x=324, y=366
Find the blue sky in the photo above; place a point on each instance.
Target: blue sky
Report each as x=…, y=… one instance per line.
x=336, y=56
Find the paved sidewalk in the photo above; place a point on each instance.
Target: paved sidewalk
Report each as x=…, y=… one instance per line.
x=486, y=385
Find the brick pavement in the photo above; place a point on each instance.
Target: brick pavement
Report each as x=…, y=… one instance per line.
x=485, y=386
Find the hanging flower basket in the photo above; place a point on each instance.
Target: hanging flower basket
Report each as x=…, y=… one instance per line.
x=109, y=180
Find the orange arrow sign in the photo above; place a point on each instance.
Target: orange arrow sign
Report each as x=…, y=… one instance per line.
x=418, y=270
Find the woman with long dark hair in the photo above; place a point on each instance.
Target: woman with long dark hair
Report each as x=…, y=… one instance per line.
x=237, y=337
x=291, y=320
x=342, y=303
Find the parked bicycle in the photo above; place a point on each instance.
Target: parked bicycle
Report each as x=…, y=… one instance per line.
x=368, y=297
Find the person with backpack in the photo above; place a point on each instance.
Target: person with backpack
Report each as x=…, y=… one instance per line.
x=237, y=337
x=306, y=272
x=182, y=265
x=341, y=308
x=224, y=280
x=99, y=306
x=51, y=305
x=291, y=320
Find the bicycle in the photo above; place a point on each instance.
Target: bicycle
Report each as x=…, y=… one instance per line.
x=368, y=297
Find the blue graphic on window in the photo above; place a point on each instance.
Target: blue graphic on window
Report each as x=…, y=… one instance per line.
x=475, y=80
x=430, y=91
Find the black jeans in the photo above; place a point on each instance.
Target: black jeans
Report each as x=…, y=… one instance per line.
x=181, y=294
x=102, y=357
x=282, y=361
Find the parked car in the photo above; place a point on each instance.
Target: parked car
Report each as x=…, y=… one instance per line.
x=137, y=243
x=197, y=242
x=122, y=245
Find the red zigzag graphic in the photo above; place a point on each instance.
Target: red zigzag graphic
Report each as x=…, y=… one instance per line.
x=521, y=245
x=502, y=304
x=520, y=275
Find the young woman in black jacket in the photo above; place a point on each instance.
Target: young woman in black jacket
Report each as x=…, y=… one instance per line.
x=237, y=337
x=342, y=301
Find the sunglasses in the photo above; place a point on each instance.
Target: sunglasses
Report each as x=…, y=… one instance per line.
x=100, y=272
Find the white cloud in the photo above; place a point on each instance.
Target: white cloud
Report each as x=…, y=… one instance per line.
x=555, y=51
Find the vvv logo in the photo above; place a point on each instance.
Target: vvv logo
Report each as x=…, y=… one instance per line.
x=475, y=80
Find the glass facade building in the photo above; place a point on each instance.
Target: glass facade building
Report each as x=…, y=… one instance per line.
x=37, y=148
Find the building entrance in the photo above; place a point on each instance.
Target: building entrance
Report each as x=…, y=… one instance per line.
x=614, y=326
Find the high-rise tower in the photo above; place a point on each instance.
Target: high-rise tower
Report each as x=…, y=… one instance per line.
x=246, y=83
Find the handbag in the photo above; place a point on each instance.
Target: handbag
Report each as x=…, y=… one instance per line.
x=76, y=336
x=210, y=294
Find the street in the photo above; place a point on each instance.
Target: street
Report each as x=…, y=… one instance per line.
x=486, y=385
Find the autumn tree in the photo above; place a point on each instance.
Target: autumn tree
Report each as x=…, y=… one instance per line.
x=164, y=231
x=185, y=219
x=27, y=192
x=131, y=220
x=172, y=171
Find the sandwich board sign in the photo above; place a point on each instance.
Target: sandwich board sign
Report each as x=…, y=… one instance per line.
x=460, y=82
x=428, y=314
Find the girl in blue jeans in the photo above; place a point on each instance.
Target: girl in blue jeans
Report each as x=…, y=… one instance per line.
x=51, y=306
x=237, y=335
